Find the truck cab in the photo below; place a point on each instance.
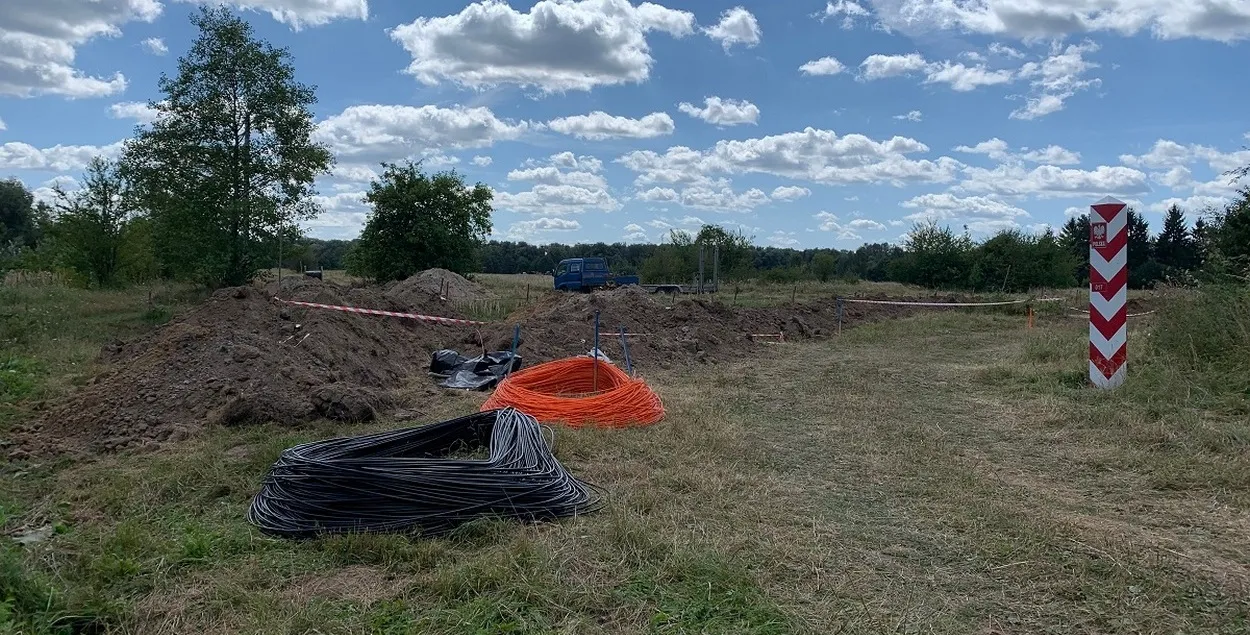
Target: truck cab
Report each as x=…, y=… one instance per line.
x=581, y=274
x=587, y=274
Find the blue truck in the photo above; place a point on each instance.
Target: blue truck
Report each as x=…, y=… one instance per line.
x=589, y=274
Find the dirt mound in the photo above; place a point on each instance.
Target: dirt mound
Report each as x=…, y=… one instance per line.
x=700, y=330
x=244, y=357
x=436, y=284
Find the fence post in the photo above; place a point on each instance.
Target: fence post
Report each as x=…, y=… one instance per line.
x=595, y=352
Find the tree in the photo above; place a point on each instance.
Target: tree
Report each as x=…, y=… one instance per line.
x=1014, y=261
x=229, y=162
x=1074, y=238
x=1175, y=248
x=824, y=266
x=1143, y=270
x=91, y=222
x=419, y=222
x=735, y=252
x=936, y=257
x=18, y=223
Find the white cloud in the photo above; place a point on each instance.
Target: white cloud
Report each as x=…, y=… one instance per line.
x=997, y=48
x=552, y=175
x=829, y=223
x=599, y=125
x=155, y=46
x=528, y=229
x=39, y=38
x=658, y=224
x=1074, y=212
x=1192, y=205
x=634, y=231
x=851, y=198
x=1179, y=176
x=815, y=155
x=865, y=224
x=823, y=66
x=388, y=132
x=701, y=197
x=882, y=66
x=736, y=26
x=1053, y=155
x=965, y=78
x=16, y=155
x=1014, y=179
x=556, y=199
x=342, y=215
x=897, y=223
x=998, y=150
x=849, y=9
x=482, y=160
x=790, y=193
x=946, y=206
x=691, y=221
x=1056, y=79
x=1222, y=21
x=2, y=126
x=722, y=112
x=783, y=238
x=137, y=110
x=567, y=159
x=914, y=115
x=556, y=46
x=353, y=173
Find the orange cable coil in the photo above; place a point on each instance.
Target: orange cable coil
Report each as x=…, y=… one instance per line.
x=564, y=391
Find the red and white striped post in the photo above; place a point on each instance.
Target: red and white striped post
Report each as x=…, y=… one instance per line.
x=1108, y=292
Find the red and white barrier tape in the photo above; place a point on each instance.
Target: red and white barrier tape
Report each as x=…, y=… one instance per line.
x=354, y=309
x=952, y=304
x=1127, y=315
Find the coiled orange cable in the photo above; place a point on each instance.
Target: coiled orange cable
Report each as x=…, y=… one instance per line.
x=564, y=391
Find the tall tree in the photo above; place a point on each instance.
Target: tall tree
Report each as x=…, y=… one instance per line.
x=1074, y=238
x=1175, y=248
x=18, y=227
x=420, y=221
x=91, y=222
x=229, y=162
x=1143, y=269
x=936, y=257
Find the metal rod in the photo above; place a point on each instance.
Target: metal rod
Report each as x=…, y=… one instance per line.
x=716, y=269
x=595, y=352
x=839, y=311
x=516, y=339
x=629, y=365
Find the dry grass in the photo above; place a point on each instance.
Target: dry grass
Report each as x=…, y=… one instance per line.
x=941, y=474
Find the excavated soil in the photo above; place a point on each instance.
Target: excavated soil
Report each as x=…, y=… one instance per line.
x=420, y=287
x=243, y=357
x=665, y=331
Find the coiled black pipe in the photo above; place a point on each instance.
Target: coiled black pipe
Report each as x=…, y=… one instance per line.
x=403, y=481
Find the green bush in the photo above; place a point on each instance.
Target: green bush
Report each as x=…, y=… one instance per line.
x=1202, y=340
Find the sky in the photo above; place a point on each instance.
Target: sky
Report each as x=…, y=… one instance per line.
x=803, y=123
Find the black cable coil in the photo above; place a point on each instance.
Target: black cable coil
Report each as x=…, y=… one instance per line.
x=403, y=481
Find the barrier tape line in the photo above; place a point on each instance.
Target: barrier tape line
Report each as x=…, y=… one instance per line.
x=952, y=304
x=354, y=309
x=1127, y=315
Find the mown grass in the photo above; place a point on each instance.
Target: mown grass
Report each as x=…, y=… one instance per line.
x=947, y=473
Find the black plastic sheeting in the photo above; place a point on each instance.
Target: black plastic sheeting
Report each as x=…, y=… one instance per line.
x=472, y=373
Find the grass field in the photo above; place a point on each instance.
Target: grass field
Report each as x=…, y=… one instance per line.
x=947, y=473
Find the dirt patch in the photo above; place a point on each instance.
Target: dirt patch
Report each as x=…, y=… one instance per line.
x=698, y=330
x=436, y=284
x=243, y=357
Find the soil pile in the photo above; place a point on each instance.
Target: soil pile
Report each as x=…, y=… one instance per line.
x=433, y=284
x=243, y=357
x=694, y=329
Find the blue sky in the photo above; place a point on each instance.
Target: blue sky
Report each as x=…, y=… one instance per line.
x=805, y=123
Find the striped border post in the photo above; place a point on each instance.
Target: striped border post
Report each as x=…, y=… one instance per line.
x=1108, y=292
